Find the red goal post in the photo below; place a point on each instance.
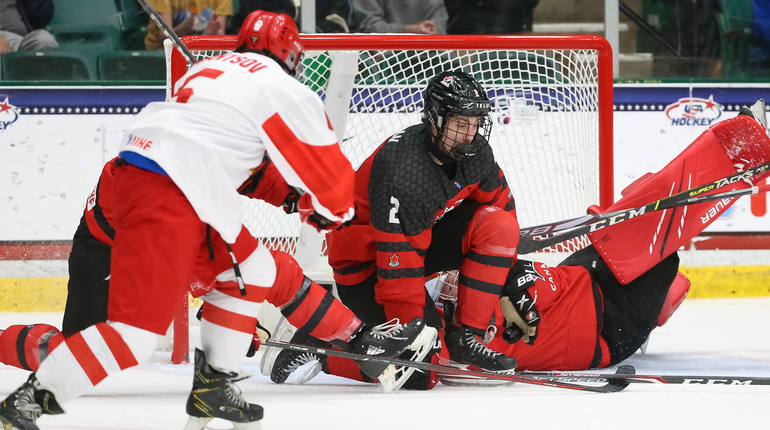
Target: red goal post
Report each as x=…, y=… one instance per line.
x=552, y=108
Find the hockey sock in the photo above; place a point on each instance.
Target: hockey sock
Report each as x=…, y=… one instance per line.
x=489, y=246
x=346, y=368
x=25, y=346
x=307, y=305
x=98, y=351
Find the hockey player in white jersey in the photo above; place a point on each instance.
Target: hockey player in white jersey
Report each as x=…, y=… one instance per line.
x=176, y=207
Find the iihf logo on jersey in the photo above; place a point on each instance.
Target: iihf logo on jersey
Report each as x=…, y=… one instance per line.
x=8, y=114
x=694, y=111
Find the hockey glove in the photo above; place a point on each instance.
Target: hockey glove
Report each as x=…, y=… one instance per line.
x=309, y=216
x=289, y=204
x=260, y=336
x=521, y=314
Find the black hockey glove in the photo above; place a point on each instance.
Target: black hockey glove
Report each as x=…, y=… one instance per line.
x=289, y=204
x=521, y=314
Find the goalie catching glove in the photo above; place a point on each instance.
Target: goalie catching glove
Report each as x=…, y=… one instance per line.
x=521, y=314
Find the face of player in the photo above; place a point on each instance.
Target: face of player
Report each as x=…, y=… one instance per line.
x=459, y=130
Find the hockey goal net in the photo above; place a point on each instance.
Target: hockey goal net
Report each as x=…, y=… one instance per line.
x=551, y=107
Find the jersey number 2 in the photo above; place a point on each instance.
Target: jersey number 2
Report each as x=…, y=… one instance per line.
x=393, y=217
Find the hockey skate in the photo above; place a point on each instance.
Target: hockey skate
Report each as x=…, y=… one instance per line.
x=465, y=349
x=287, y=362
x=411, y=341
x=283, y=331
x=756, y=111
x=215, y=395
x=23, y=407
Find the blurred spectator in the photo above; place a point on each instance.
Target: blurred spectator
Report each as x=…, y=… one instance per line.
x=332, y=16
x=22, y=26
x=707, y=46
x=400, y=16
x=759, y=57
x=692, y=32
x=490, y=16
x=188, y=17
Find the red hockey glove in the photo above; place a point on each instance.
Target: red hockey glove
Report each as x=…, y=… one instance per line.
x=521, y=315
x=308, y=215
x=260, y=336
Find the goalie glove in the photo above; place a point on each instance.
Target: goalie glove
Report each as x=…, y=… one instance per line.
x=521, y=314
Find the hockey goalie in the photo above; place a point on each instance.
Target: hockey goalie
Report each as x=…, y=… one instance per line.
x=599, y=305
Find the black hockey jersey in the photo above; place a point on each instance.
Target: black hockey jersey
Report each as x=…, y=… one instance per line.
x=401, y=192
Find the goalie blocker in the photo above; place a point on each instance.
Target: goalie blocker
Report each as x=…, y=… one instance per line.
x=725, y=148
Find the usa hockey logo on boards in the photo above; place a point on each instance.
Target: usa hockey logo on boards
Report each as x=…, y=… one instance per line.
x=694, y=111
x=8, y=114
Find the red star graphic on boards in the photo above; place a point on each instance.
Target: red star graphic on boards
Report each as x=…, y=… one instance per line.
x=4, y=106
x=710, y=102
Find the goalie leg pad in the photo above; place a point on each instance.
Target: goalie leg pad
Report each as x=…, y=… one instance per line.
x=631, y=248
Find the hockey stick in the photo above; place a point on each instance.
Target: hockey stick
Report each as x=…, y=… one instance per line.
x=560, y=231
x=168, y=31
x=609, y=386
x=652, y=379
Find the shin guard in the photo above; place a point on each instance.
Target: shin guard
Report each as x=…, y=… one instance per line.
x=632, y=247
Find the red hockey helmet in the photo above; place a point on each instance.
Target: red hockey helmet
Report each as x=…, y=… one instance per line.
x=272, y=34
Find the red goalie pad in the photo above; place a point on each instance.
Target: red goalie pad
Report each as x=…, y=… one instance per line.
x=630, y=248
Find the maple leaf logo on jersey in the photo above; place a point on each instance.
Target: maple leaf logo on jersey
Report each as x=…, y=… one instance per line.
x=394, y=260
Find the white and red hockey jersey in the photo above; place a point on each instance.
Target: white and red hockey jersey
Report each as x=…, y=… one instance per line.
x=227, y=111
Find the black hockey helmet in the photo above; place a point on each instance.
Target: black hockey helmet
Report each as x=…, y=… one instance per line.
x=453, y=93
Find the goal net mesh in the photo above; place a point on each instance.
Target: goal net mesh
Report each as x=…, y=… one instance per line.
x=545, y=110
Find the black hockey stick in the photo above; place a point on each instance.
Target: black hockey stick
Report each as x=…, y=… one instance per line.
x=651, y=379
x=168, y=31
x=541, y=236
x=609, y=386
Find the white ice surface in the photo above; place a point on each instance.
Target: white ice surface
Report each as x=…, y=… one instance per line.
x=729, y=337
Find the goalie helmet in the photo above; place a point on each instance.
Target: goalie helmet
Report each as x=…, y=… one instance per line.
x=271, y=34
x=457, y=94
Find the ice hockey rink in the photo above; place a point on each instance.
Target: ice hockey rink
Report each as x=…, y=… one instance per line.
x=710, y=337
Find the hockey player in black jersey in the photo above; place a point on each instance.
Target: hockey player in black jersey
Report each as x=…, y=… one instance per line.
x=430, y=198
